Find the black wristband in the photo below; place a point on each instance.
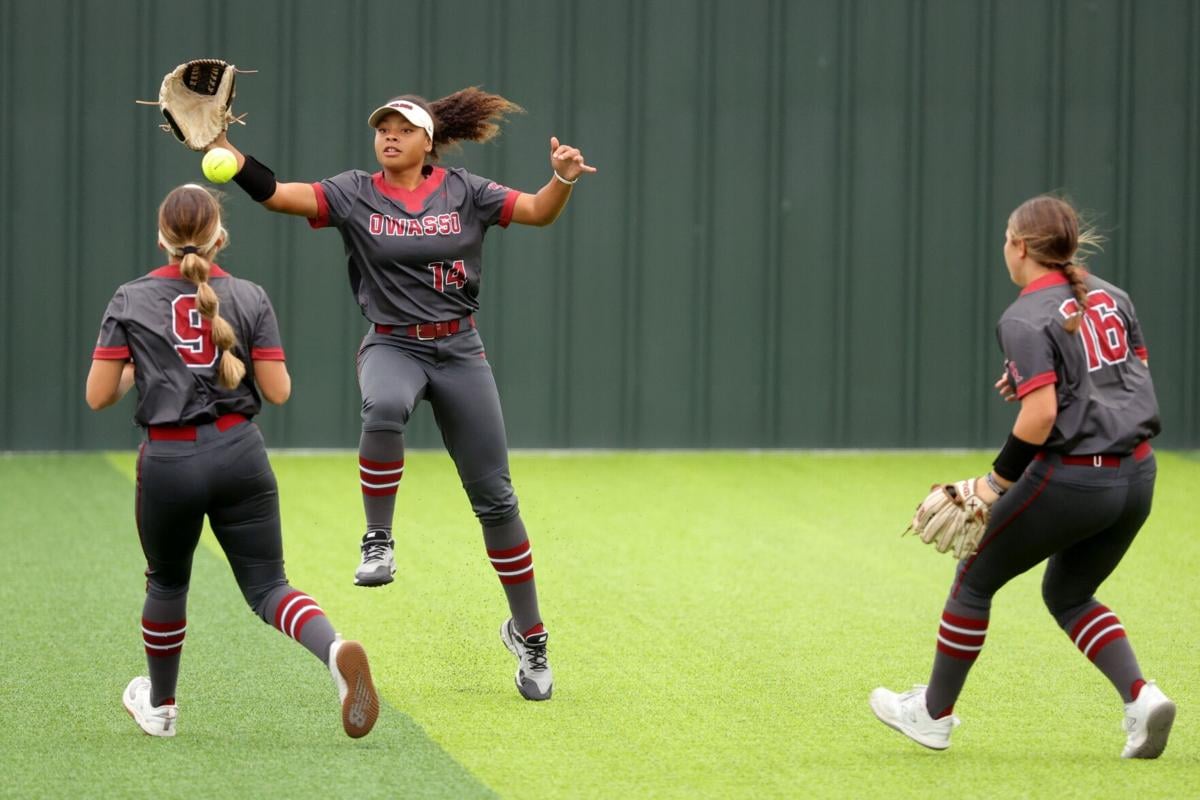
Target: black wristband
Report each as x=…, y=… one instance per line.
x=1014, y=457
x=256, y=179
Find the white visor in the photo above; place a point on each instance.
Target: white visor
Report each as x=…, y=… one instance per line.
x=411, y=111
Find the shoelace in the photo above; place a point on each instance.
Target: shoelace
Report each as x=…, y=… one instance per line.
x=375, y=551
x=537, y=656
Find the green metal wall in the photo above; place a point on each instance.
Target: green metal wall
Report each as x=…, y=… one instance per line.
x=793, y=240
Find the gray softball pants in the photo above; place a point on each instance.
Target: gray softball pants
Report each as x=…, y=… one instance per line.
x=396, y=371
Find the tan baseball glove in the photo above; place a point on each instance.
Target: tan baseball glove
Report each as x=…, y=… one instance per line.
x=953, y=518
x=196, y=99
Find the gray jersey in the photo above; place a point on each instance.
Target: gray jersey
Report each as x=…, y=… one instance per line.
x=153, y=321
x=414, y=256
x=1106, y=401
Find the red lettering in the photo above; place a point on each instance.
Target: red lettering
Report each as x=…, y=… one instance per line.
x=376, y=224
x=1105, y=340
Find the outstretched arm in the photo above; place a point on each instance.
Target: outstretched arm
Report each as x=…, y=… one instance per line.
x=545, y=206
x=289, y=198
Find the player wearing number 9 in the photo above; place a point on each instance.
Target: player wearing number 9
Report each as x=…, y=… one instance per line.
x=1072, y=486
x=413, y=234
x=189, y=327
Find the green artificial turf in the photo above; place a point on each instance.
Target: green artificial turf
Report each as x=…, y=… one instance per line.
x=717, y=620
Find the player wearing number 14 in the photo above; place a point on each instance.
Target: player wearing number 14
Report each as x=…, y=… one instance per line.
x=413, y=235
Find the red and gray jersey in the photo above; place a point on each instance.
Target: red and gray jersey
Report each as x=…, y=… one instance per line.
x=414, y=256
x=153, y=321
x=1106, y=401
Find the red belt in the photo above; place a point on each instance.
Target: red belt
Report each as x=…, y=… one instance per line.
x=187, y=433
x=1104, y=459
x=428, y=331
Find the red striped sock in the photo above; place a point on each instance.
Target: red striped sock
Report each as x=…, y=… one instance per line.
x=1095, y=630
x=293, y=613
x=380, y=478
x=961, y=637
x=163, y=639
x=513, y=565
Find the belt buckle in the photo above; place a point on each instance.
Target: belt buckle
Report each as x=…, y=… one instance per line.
x=1097, y=461
x=421, y=337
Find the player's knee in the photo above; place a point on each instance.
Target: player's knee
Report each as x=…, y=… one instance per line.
x=1063, y=603
x=163, y=585
x=263, y=598
x=385, y=414
x=492, y=498
x=974, y=596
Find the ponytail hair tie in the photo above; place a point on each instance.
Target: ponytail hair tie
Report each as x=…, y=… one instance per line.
x=191, y=248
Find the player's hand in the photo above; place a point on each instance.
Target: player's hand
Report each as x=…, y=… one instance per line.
x=1004, y=387
x=567, y=161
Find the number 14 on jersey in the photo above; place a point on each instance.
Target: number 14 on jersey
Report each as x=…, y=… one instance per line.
x=455, y=276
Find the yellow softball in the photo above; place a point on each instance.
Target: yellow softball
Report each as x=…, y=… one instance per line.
x=219, y=165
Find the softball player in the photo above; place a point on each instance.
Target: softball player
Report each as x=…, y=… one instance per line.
x=1072, y=485
x=413, y=234
x=188, y=327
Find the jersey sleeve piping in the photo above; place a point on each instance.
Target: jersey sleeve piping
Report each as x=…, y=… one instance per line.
x=1036, y=382
x=267, y=354
x=111, y=353
x=1141, y=353
x=510, y=203
x=321, y=220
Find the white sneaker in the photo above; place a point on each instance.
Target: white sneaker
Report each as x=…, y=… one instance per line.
x=378, y=563
x=535, y=679
x=1148, y=723
x=154, y=720
x=907, y=714
x=356, y=692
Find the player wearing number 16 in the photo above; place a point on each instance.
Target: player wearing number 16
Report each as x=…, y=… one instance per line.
x=1071, y=487
x=413, y=234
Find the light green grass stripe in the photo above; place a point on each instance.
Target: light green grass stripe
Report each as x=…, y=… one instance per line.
x=717, y=621
x=258, y=714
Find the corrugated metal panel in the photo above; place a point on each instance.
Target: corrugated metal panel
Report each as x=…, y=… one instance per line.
x=794, y=238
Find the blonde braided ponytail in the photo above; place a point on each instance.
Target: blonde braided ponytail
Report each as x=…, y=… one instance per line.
x=189, y=226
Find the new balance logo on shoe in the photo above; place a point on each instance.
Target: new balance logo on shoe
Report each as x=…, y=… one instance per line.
x=1148, y=721
x=348, y=666
x=907, y=714
x=153, y=720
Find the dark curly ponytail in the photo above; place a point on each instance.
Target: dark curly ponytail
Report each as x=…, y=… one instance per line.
x=468, y=115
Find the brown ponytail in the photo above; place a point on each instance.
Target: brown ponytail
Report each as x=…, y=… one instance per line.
x=468, y=115
x=1053, y=236
x=1075, y=274
x=189, y=223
